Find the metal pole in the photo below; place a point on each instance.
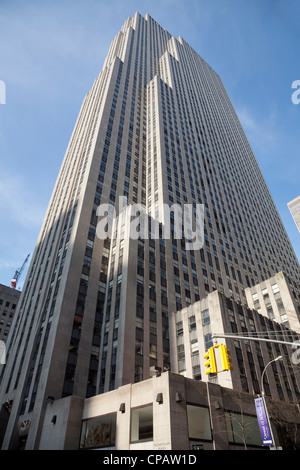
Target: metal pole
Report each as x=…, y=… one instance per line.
x=263, y=398
x=210, y=416
x=225, y=335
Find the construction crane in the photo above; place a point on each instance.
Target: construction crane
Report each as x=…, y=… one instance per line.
x=14, y=281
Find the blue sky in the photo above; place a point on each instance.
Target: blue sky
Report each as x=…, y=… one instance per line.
x=51, y=51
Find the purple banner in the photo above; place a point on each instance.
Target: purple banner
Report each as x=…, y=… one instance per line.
x=263, y=422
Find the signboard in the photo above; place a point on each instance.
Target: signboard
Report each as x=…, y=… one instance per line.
x=263, y=422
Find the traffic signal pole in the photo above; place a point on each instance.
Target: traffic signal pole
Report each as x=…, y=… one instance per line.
x=266, y=340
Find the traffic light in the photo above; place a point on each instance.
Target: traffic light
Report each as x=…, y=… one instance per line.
x=210, y=363
x=225, y=358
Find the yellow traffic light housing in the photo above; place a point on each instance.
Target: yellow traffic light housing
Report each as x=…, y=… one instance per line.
x=225, y=357
x=210, y=363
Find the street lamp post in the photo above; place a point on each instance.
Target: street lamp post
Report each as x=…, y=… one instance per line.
x=263, y=396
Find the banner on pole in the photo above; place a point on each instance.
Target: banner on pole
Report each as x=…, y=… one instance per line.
x=263, y=422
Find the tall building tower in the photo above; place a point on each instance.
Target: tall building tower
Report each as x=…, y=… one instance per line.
x=294, y=207
x=157, y=127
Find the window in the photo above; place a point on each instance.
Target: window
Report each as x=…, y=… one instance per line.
x=270, y=312
x=208, y=341
x=242, y=428
x=180, y=352
x=153, y=351
x=205, y=317
x=192, y=322
x=179, y=328
x=194, y=347
x=198, y=422
x=98, y=432
x=284, y=318
x=142, y=423
x=280, y=306
x=197, y=372
x=275, y=288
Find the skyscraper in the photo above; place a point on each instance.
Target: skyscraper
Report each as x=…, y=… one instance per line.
x=294, y=207
x=158, y=128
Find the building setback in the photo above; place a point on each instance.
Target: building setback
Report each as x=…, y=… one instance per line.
x=157, y=127
x=191, y=334
x=276, y=298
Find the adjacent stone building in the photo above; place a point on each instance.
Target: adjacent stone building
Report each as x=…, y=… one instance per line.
x=191, y=335
x=277, y=298
x=166, y=412
x=9, y=298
